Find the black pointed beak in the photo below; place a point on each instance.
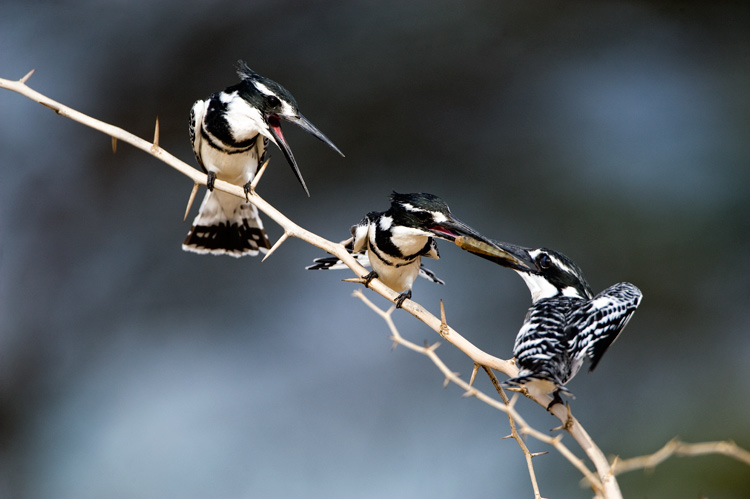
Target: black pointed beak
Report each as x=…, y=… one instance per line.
x=507, y=255
x=305, y=124
x=453, y=229
x=274, y=122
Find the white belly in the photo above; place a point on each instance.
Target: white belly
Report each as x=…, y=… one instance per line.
x=399, y=279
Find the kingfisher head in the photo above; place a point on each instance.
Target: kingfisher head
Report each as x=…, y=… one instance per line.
x=429, y=214
x=265, y=103
x=547, y=273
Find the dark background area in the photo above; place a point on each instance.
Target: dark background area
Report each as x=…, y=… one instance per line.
x=615, y=132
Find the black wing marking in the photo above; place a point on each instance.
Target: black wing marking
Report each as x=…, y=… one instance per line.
x=600, y=321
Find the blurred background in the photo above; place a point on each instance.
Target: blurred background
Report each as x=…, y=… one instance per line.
x=616, y=132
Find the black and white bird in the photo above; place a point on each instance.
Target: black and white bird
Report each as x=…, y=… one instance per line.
x=566, y=323
x=230, y=131
x=393, y=242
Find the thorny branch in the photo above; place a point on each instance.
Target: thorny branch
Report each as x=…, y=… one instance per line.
x=605, y=485
x=470, y=391
x=677, y=448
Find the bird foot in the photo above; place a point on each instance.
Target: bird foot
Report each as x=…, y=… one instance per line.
x=569, y=421
x=248, y=188
x=402, y=298
x=211, y=180
x=369, y=277
x=556, y=399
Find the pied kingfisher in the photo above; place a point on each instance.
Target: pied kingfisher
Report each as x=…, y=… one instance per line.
x=393, y=242
x=230, y=131
x=566, y=322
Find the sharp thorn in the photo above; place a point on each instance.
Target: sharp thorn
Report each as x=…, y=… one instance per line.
x=27, y=76
x=281, y=240
x=190, y=201
x=259, y=174
x=155, y=144
x=395, y=342
x=114, y=145
x=356, y=280
x=474, y=374
x=470, y=393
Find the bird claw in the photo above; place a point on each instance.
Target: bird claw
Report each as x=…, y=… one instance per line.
x=248, y=188
x=556, y=399
x=402, y=298
x=210, y=180
x=369, y=277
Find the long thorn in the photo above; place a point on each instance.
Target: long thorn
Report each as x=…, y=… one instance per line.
x=28, y=75
x=355, y=280
x=190, y=201
x=473, y=374
x=114, y=145
x=155, y=144
x=283, y=238
x=259, y=174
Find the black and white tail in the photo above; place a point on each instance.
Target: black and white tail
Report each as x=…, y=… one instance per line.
x=226, y=225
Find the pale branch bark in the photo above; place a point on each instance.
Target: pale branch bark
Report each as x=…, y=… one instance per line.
x=605, y=482
x=291, y=229
x=507, y=406
x=514, y=433
x=677, y=448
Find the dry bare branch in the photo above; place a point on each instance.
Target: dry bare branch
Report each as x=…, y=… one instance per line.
x=501, y=405
x=675, y=447
x=604, y=485
x=291, y=229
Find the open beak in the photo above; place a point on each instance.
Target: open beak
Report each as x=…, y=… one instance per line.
x=274, y=122
x=507, y=255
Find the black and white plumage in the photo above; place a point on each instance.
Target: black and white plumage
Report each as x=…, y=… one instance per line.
x=393, y=242
x=566, y=323
x=229, y=132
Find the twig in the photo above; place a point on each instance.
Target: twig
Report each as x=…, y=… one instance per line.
x=291, y=229
x=508, y=408
x=605, y=485
x=677, y=448
x=514, y=433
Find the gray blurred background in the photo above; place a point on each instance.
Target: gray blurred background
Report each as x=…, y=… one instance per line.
x=616, y=132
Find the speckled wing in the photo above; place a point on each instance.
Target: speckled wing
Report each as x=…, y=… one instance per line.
x=593, y=327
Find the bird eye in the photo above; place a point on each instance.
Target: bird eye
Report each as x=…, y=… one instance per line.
x=273, y=101
x=544, y=261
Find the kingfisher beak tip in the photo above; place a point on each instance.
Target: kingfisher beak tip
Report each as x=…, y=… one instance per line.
x=307, y=126
x=503, y=254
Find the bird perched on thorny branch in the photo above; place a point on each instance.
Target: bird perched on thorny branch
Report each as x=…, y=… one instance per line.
x=393, y=242
x=230, y=131
x=566, y=322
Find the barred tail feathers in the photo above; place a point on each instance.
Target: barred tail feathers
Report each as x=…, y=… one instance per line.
x=226, y=225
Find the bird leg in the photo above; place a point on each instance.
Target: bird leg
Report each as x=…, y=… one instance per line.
x=556, y=399
x=210, y=180
x=369, y=277
x=403, y=297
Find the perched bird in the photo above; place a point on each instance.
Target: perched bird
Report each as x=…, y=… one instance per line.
x=566, y=322
x=393, y=242
x=230, y=131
